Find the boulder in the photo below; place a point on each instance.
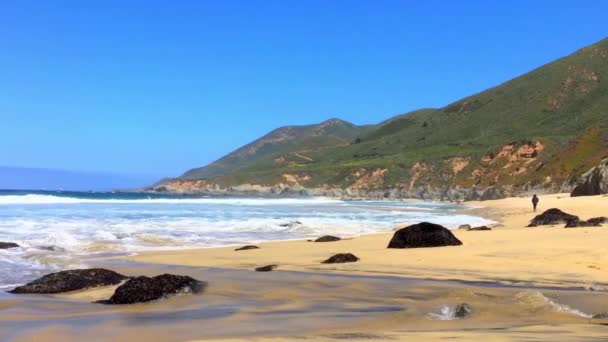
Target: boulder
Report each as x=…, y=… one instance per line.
x=248, y=247
x=552, y=216
x=578, y=224
x=144, y=289
x=341, y=258
x=593, y=182
x=462, y=310
x=479, y=228
x=71, y=280
x=7, y=245
x=423, y=234
x=266, y=268
x=598, y=220
x=465, y=226
x=328, y=238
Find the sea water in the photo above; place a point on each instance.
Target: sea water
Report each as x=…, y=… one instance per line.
x=58, y=230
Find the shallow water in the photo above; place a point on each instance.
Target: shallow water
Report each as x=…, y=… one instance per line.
x=60, y=230
x=239, y=303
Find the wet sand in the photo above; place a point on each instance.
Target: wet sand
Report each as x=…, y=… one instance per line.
x=522, y=283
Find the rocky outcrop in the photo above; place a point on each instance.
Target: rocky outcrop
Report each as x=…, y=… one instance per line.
x=423, y=234
x=248, y=247
x=593, y=182
x=71, y=280
x=551, y=217
x=266, y=268
x=328, y=238
x=7, y=245
x=341, y=258
x=144, y=289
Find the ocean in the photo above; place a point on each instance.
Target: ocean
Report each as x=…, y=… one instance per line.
x=58, y=230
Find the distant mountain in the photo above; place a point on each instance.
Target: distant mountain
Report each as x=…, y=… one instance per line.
x=53, y=179
x=537, y=132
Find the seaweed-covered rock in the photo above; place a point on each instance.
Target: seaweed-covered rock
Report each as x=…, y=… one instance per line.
x=552, y=216
x=341, y=258
x=266, y=268
x=7, y=245
x=144, y=289
x=328, y=238
x=479, y=228
x=248, y=247
x=71, y=280
x=423, y=234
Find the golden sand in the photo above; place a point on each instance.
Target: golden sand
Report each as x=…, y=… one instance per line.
x=510, y=253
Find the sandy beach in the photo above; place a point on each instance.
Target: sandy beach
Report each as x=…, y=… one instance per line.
x=522, y=283
x=511, y=253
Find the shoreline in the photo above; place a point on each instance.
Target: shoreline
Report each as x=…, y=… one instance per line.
x=504, y=254
x=522, y=283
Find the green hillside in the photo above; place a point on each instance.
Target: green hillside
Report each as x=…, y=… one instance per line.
x=514, y=135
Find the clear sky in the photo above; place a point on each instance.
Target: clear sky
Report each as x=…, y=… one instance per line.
x=157, y=87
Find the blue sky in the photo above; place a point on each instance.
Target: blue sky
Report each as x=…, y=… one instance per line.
x=157, y=87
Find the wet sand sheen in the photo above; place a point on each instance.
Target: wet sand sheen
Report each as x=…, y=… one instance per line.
x=329, y=302
x=241, y=304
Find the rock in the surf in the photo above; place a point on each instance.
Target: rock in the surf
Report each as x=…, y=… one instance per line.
x=266, y=268
x=552, y=216
x=71, y=280
x=601, y=315
x=464, y=226
x=462, y=310
x=328, y=238
x=341, y=258
x=248, y=247
x=145, y=289
x=480, y=228
x=423, y=234
x=7, y=245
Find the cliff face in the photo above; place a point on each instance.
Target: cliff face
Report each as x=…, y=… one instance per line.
x=536, y=133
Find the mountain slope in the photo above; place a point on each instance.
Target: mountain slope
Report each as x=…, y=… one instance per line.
x=535, y=132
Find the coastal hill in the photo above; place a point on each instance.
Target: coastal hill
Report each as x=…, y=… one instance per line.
x=538, y=132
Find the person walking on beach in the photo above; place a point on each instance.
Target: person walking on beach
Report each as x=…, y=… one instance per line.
x=535, y=201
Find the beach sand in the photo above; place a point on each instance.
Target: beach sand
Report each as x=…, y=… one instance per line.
x=522, y=283
x=511, y=253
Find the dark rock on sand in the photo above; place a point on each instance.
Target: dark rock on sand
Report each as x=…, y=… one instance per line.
x=552, y=216
x=462, y=310
x=601, y=315
x=580, y=224
x=71, y=280
x=7, y=245
x=593, y=182
x=464, y=226
x=479, y=228
x=341, y=258
x=267, y=268
x=144, y=289
x=328, y=238
x=248, y=247
x=598, y=220
x=423, y=234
